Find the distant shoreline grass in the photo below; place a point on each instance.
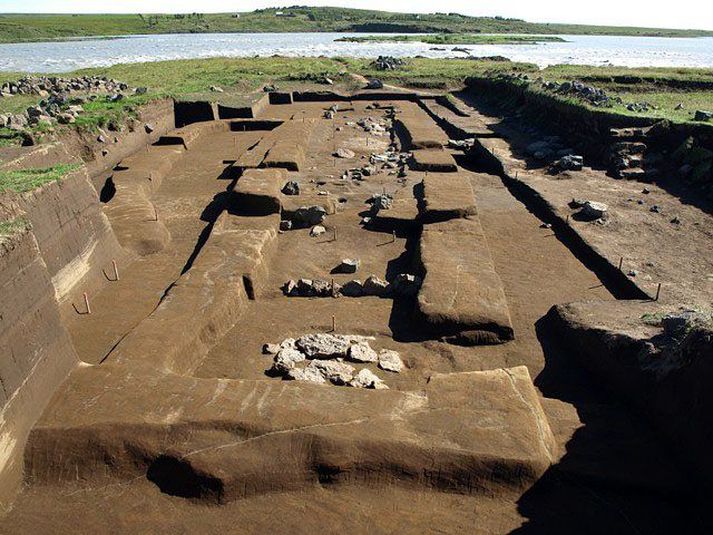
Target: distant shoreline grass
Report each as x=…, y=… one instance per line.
x=23, y=28
x=456, y=39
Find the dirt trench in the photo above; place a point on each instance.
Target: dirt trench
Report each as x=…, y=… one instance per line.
x=609, y=471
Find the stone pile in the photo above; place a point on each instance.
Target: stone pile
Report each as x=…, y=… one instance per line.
x=61, y=98
x=373, y=126
x=592, y=95
x=404, y=285
x=331, y=358
x=387, y=63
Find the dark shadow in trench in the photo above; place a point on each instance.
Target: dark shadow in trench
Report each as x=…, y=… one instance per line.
x=617, y=474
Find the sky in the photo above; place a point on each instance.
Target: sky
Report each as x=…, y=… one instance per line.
x=694, y=14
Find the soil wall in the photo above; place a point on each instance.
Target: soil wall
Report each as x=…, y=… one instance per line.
x=37, y=352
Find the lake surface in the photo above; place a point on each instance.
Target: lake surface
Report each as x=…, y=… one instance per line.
x=590, y=50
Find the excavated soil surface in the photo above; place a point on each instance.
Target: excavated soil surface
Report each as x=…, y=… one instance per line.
x=588, y=464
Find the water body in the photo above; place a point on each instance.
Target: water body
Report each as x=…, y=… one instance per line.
x=589, y=50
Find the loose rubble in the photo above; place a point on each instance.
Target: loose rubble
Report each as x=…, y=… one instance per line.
x=319, y=358
x=387, y=63
x=62, y=99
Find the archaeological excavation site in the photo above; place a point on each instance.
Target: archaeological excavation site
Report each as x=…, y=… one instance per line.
x=384, y=310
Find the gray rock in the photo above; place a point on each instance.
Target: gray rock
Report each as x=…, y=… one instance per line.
x=592, y=210
x=317, y=230
x=338, y=373
x=702, y=115
x=308, y=216
x=367, y=379
x=285, y=360
x=352, y=288
x=308, y=374
x=323, y=346
x=373, y=285
x=285, y=224
x=362, y=352
x=270, y=349
x=374, y=83
x=381, y=201
x=390, y=361
x=569, y=162
x=344, y=153
x=291, y=188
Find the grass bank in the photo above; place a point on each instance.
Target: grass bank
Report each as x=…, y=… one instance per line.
x=39, y=27
x=242, y=79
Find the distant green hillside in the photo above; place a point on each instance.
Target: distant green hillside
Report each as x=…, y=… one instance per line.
x=17, y=28
x=456, y=39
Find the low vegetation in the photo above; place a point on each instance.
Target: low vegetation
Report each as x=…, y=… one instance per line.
x=456, y=39
x=673, y=93
x=37, y=27
x=20, y=181
x=8, y=228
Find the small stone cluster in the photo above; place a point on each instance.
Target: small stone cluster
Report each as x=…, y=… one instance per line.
x=404, y=285
x=387, y=63
x=593, y=95
x=325, y=358
x=62, y=98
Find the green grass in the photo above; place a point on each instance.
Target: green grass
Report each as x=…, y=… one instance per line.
x=23, y=180
x=8, y=228
x=39, y=27
x=455, y=39
x=242, y=80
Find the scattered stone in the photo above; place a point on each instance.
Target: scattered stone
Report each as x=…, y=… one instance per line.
x=381, y=201
x=373, y=285
x=348, y=265
x=701, y=115
x=285, y=360
x=270, y=349
x=592, y=210
x=149, y=128
x=353, y=288
x=367, y=379
x=291, y=188
x=655, y=209
x=374, y=83
x=285, y=224
x=344, y=153
x=461, y=144
x=317, y=230
x=308, y=216
x=569, y=162
x=390, y=361
x=362, y=352
x=632, y=273
x=216, y=89
x=676, y=220
x=308, y=374
x=338, y=373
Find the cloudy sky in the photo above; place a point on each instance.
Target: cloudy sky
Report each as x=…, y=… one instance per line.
x=680, y=14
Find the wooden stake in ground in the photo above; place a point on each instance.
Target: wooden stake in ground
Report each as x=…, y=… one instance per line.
x=334, y=323
x=116, y=270
x=658, y=292
x=86, y=303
